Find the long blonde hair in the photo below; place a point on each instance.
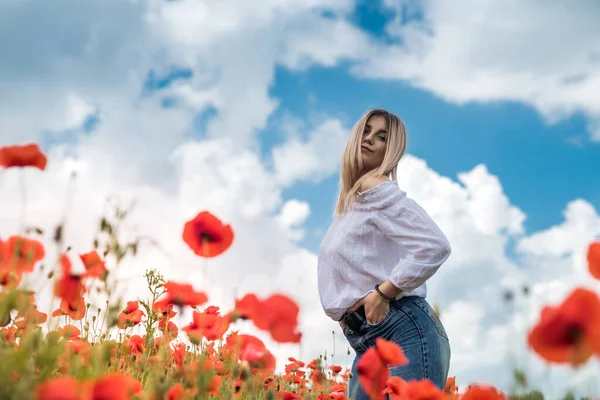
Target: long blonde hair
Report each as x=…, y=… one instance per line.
x=352, y=165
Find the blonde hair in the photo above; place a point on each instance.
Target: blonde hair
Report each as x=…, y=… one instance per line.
x=351, y=166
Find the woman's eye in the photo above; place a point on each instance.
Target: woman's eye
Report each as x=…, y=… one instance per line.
x=382, y=138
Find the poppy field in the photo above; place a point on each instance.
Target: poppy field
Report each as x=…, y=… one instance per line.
x=70, y=353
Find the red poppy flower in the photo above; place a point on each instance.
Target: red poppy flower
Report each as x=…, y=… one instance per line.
x=593, y=258
x=570, y=332
x=116, y=386
x=135, y=344
x=390, y=352
x=69, y=331
x=288, y=396
x=394, y=388
x=61, y=388
x=300, y=363
x=206, y=235
x=68, y=287
x=450, y=388
x=257, y=355
x=336, y=369
x=10, y=279
x=168, y=328
x=248, y=348
x=422, y=389
x=165, y=310
x=31, y=317
x=20, y=254
x=372, y=374
x=75, y=309
x=209, y=325
x=94, y=265
x=180, y=294
x=130, y=316
x=483, y=392
x=176, y=392
x=277, y=314
x=28, y=155
x=372, y=366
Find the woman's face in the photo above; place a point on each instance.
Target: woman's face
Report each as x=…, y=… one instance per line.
x=373, y=142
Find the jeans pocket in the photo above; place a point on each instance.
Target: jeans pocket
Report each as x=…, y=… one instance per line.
x=430, y=312
x=387, y=316
x=353, y=338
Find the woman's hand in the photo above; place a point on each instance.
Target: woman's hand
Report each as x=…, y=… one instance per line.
x=376, y=307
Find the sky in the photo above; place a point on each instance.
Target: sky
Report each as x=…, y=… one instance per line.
x=243, y=109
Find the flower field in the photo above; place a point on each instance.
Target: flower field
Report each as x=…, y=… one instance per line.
x=134, y=350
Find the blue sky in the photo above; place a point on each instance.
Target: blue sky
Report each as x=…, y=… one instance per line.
x=542, y=166
x=540, y=169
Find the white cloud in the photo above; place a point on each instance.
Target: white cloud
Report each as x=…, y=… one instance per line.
x=292, y=215
x=544, y=54
x=490, y=209
x=581, y=222
x=294, y=212
x=313, y=159
x=234, y=56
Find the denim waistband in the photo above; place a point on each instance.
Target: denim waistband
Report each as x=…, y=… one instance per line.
x=395, y=301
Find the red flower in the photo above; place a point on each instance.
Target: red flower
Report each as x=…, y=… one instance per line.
x=210, y=325
x=422, y=389
x=372, y=366
x=61, y=388
x=115, y=386
x=570, y=332
x=69, y=331
x=288, y=396
x=165, y=310
x=480, y=392
x=450, y=388
x=135, y=344
x=31, y=317
x=94, y=265
x=277, y=314
x=336, y=369
x=130, y=316
x=68, y=287
x=593, y=258
x=257, y=355
x=250, y=349
x=372, y=374
x=167, y=327
x=395, y=387
x=206, y=235
x=20, y=254
x=176, y=392
x=28, y=155
x=75, y=309
x=180, y=294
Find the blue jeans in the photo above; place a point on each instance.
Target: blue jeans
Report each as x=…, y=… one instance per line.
x=415, y=327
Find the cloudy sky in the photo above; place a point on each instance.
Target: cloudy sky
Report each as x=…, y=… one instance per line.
x=243, y=108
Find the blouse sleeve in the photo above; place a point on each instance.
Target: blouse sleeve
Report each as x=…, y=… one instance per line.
x=402, y=219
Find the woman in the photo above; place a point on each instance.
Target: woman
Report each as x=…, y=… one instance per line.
x=377, y=255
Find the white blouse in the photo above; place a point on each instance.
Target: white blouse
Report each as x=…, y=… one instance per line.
x=385, y=235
